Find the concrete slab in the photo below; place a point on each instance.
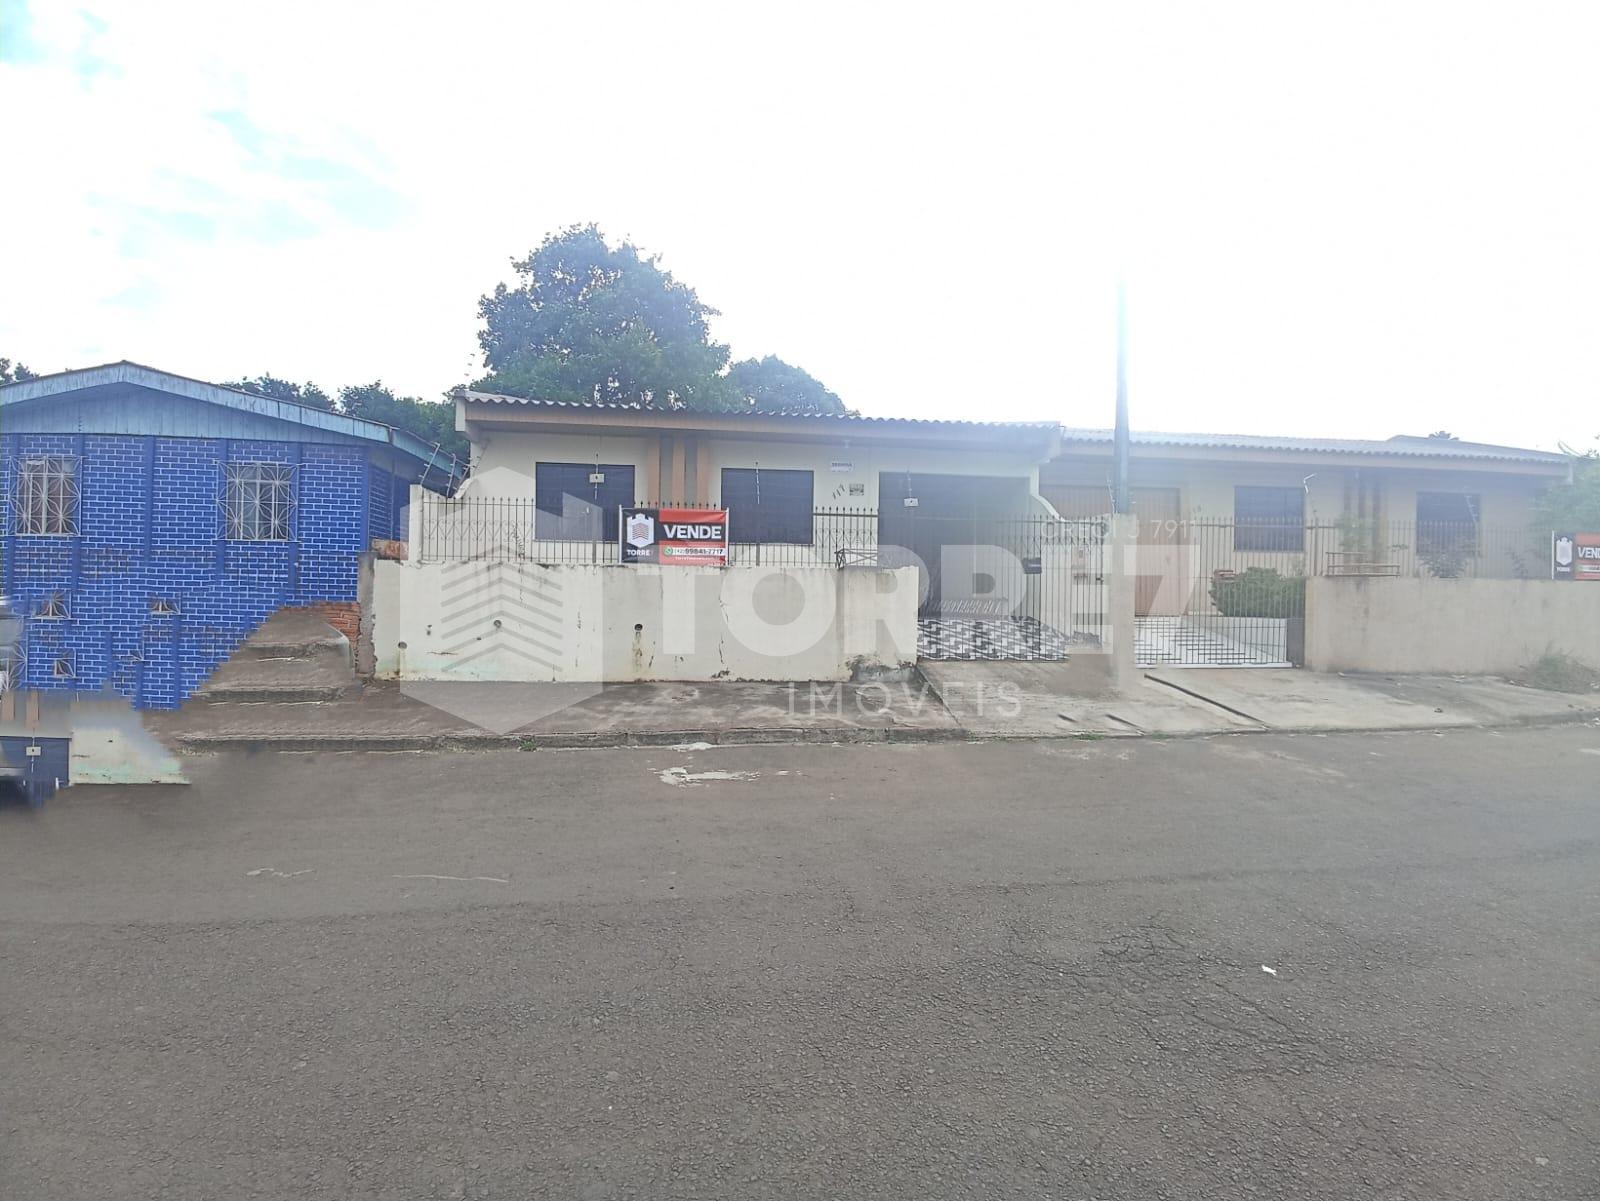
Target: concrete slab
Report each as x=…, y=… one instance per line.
x=750, y=706
x=1032, y=700
x=443, y=714
x=1486, y=700
x=1289, y=699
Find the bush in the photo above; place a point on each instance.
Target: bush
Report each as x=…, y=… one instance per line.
x=1259, y=592
x=1557, y=672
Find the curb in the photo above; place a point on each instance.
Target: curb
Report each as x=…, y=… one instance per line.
x=468, y=741
x=757, y=736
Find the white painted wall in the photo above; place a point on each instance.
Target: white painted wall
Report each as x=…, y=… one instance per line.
x=511, y=455
x=529, y=622
x=1457, y=626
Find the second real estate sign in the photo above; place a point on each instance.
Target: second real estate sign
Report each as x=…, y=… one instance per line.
x=687, y=537
x=1575, y=557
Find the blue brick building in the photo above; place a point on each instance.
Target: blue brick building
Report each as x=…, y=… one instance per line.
x=152, y=521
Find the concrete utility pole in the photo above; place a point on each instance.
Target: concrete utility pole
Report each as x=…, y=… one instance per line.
x=1119, y=491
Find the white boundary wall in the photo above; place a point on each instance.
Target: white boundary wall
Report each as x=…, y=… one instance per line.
x=1457, y=626
x=530, y=622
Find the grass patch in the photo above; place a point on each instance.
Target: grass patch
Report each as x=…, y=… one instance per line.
x=1554, y=671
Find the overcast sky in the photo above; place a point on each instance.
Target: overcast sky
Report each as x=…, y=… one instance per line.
x=1333, y=219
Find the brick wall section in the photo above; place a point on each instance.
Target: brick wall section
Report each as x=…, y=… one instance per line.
x=344, y=616
x=151, y=527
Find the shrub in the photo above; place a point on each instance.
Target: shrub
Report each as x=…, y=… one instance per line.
x=1259, y=592
x=1558, y=672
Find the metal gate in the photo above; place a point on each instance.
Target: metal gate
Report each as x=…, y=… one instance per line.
x=1222, y=593
x=1003, y=588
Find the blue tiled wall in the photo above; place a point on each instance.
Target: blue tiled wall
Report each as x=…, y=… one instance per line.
x=150, y=526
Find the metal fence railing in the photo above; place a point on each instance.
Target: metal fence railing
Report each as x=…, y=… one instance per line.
x=1442, y=550
x=1200, y=548
x=516, y=530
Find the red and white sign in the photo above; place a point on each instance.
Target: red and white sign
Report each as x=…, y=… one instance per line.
x=686, y=537
x=1575, y=557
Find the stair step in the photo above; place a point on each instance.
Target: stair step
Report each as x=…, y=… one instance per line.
x=333, y=650
x=247, y=693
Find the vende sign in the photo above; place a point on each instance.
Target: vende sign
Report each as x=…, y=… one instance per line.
x=1575, y=557
x=687, y=537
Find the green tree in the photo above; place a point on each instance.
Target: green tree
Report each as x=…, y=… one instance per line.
x=281, y=389
x=591, y=323
x=430, y=420
x=1573, y=506
x=15, y=373
x=771, y=385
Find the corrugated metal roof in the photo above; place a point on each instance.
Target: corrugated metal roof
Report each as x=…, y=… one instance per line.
x=1050, y=427
x=137, y=375
x=1406, y=445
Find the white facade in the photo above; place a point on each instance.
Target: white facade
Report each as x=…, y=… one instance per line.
x=530, y=622
x=845, y=473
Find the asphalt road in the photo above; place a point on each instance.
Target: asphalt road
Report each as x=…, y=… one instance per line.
x=1242, y=967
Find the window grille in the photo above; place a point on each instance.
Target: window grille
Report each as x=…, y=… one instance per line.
x=54, y=606
x=46, y=496
x=258, y=501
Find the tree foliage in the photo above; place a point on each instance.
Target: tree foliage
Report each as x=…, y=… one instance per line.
x=282, y=389
x=15, y=373
x=1573, y=506
x=431, y=421
x=771, y=385
x=591, y=323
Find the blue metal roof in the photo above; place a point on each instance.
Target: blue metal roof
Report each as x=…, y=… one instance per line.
x=123, y=378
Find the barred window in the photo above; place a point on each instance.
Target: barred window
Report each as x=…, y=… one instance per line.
x=256, y=501
x=1269, y=519
x=47, y=496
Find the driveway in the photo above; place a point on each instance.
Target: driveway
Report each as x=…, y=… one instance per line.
x=1262, y=966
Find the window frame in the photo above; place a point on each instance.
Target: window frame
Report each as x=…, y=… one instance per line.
x=31, y=522
x=1435, y=536
x=242, y=515
x=604, y=499
x=745, y=515
x=1256, y=535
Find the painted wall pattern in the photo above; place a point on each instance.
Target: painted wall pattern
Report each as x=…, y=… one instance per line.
x=156, y=596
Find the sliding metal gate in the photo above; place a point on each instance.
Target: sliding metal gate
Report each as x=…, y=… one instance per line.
x=1222, y=593
x=1003, y=588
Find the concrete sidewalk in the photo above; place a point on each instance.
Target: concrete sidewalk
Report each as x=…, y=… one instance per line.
x=1052, y=699
x=957, y=701
x=465, y=716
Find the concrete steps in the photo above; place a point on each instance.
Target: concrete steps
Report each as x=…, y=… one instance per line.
x=293, y=657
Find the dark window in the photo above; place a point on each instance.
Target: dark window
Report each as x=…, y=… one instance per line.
x=767, y=506
x=1447, y=522
x=578, y=502
x=1269, y=519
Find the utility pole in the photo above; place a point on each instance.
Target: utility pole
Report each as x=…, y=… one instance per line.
x=1119, y=490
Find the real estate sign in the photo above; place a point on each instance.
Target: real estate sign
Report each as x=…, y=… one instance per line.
x=1575, y=557
x=686, y=537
